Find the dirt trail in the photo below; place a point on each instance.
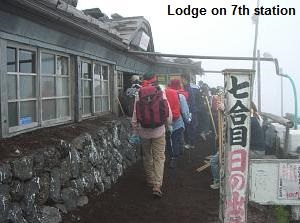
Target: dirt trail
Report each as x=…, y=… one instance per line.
x=187, y=197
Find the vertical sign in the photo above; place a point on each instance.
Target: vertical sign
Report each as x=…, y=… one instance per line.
x=237, y=111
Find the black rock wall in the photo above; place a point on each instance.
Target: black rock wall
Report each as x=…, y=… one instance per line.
x=40, y=186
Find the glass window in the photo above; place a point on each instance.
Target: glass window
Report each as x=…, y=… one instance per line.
x=62, y=65
x=55, y=87
x=27, y=87
x=105, y=103
x=97, y=85
x=98, y=105
x=86, y=70
x=12, y=86
x=21, y=85
x=97, y=70
x=87, y=88
x=48, y=87
x=94, y=92
x=27, y=112
x=11, y=60
x=87, y=106
x=48, y=62
x=63, y=107
x=62, y=86
x=120, y=80
x=48, y=109
x=105, y=72
x=12, y=114
x=105, y=88
x=27, y=61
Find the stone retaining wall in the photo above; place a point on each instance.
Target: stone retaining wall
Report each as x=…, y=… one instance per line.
x=38, y=187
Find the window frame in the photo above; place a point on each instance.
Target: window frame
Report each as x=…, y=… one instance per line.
x=50, y=122
x=94, y=96
x=82, y=80
x=18, y=99
x=101, y=84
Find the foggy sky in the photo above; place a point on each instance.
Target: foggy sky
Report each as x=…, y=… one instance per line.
x=212, y=35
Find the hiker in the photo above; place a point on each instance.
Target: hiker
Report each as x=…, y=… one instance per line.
x=194, y=107
x=181, y=115
x=151, y=116
x=130, y=93
x=217, y=105
x=215, y=171
x=257, y=141
x=204, y=116
x=257, y=144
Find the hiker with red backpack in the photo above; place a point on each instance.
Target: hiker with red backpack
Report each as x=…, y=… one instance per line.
x=181, y=115
x=151, y=116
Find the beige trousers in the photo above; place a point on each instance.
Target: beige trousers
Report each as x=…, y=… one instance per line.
x=154, y=159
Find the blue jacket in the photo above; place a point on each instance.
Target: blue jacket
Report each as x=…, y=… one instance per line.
x=185, y=116
x=194, y=97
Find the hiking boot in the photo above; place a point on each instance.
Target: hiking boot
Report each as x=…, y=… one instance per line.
x=172, y=163
x=156, y=192
x=215, y=186
x=187, y=146
x=203, y=136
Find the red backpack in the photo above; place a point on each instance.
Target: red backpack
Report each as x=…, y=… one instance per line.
x=173, y=99
x=152, y=109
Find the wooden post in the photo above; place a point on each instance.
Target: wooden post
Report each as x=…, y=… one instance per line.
x=234, y=194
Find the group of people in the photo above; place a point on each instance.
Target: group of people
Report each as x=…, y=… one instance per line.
x=257, y=143
x=167, y=122
x=170, y=120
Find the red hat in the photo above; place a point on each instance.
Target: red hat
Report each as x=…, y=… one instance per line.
x=152, y=81
x=175, y=84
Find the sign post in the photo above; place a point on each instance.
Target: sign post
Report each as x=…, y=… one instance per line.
x=234, y=175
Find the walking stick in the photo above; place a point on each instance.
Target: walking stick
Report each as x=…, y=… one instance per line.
x=220, y=134
x=121, y=107
x=211, y=116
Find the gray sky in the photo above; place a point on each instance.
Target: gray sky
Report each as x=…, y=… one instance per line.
x=223, y=36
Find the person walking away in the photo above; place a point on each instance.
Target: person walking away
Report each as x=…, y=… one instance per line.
x=180, y=112
x=204, y=117
x=130, y=94
x=194, y=108
x=257, y=141
x=184, y=111
x=151, y=115
x=217, y=105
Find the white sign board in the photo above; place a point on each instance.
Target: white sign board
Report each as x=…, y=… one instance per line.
x=274, y=181
x=289, y=181
x=144, y=41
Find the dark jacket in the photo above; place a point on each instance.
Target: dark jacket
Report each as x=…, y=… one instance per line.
x=257, y=141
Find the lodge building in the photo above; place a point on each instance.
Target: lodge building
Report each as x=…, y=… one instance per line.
x=60, y=65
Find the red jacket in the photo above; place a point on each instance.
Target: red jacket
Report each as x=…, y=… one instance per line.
x=174, y=103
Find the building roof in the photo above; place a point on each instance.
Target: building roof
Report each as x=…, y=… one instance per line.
x=130, y=27
x=125, y=30
x=125, y=33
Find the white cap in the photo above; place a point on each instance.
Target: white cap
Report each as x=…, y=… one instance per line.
x=134, y=78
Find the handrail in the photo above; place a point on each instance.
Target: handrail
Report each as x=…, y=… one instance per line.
x=274, y=60
x=278, y=119
x=295, y=100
